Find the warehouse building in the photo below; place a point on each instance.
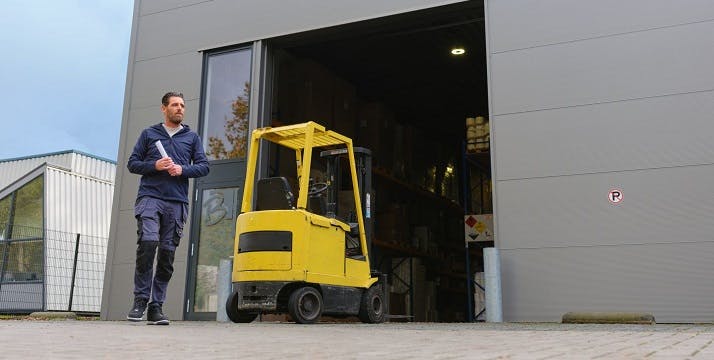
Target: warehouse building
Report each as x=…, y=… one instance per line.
x=575, y=131
x=54, y=224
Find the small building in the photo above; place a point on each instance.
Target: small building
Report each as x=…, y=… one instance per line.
x=54, y=224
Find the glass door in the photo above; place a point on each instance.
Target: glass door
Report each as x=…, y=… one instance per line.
x=225, y=128
x=216, y=230
x=234, y=98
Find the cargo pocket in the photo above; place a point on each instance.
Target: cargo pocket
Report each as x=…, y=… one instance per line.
x=139, y=229
x=178, y=233
x=180, y=223
x=139, y=206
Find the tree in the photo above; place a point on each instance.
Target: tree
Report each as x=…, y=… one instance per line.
x=236, y=130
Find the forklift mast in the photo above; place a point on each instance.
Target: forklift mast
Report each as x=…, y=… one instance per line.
x=363, y=160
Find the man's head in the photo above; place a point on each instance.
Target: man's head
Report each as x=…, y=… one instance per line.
x=172, y=106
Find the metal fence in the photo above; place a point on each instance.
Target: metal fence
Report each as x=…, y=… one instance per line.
x=48, y=270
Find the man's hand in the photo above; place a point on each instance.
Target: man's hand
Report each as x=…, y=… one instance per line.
x=164, y=164
x=176, y=170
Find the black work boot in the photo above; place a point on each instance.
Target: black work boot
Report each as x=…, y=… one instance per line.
x=137, y=310
x=155, y=316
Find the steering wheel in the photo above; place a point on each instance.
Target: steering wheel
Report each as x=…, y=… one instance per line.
x=317, y=188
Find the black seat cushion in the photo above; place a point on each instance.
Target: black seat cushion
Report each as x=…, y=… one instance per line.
x=273, y=194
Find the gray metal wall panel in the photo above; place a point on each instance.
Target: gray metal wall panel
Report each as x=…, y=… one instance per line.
x=668, y=205
x=581, y=106
x=168, y=34
x=118, y=293
x=651, y=63
x=217, y=22
x=127, y=228
x=154, y=6
x=518, y=24
x=179, y=72
x=671, y=281
x=647, y=133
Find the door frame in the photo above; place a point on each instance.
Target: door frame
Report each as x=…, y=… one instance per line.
x=227, y=173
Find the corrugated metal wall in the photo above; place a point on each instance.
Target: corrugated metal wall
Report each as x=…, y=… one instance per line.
x=14, y=169
x=76, y=204
x=93, y=167
x=79, y=163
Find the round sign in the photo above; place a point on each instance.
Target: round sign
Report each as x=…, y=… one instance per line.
x=615, y=196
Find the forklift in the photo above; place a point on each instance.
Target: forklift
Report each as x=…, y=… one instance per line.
x=299, y=257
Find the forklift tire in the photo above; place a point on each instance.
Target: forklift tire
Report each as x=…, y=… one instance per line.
x=305, y=305
x=238, y=316
x=371, y=309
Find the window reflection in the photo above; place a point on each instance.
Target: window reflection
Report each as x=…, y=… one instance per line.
x=21, y=232
x=24, y=261
x=227, y=105
x=28, y=205
x=218, y=212
x=4, y=215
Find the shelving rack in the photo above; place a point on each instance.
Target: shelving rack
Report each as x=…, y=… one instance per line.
x=481, y=161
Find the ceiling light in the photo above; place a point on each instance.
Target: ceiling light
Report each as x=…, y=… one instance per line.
x=458, y=51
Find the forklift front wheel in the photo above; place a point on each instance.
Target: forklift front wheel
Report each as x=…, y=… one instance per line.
x=238, y=316
x=305, y=305
x=371, y=309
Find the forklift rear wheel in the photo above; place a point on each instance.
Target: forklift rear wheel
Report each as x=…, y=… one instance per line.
x=371, y=309
x=238, y=316
x=305, y=305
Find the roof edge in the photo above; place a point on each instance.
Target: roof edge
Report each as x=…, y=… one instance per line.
x=59, y=153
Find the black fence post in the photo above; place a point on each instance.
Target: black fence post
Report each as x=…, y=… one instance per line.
x=74, y=273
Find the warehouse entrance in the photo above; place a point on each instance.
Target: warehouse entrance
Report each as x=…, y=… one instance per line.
x=404, y=86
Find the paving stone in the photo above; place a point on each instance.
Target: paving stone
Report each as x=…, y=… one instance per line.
x=183, y=339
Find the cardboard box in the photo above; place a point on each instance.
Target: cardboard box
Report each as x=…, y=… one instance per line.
x=344, y=108
x=376, y=132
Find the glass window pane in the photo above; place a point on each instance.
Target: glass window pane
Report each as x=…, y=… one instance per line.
x=27, y=217
x=218, y=213
x=227, y=97
x=4, y=214
x=24, y=261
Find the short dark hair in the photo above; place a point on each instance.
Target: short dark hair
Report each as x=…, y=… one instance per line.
x=168, y=95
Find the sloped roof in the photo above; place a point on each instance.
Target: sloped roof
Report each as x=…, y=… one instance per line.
x=73, y=160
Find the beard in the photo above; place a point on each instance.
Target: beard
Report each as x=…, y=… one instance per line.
x=176, y=119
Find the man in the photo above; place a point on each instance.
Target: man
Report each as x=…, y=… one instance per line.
x=162, y=203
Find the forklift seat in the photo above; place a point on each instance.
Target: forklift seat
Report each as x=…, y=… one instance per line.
x=273, y=194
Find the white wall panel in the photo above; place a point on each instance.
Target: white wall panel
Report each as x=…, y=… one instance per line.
x=517, y=24
x=80, y=163
x=94, y=167
x=12, y=170
x=76, y=204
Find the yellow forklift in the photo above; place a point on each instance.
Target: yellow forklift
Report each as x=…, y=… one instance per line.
x=298, y=257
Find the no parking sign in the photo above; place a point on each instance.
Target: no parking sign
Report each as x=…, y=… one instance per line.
x=615, y=196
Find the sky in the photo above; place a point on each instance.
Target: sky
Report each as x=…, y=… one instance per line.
x=62, y=75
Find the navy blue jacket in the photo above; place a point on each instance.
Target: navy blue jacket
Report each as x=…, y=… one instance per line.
x=184, y=148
